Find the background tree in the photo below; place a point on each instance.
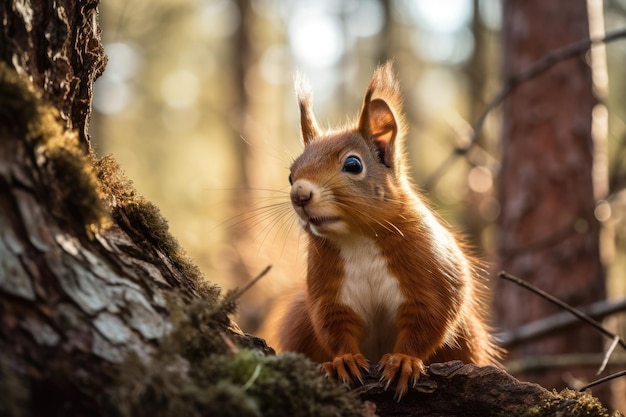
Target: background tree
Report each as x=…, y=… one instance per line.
x=548, y=233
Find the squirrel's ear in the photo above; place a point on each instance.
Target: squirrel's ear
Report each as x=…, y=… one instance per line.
x=381, y=118
x=308, y=123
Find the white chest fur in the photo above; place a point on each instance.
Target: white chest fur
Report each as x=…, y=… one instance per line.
x=373, y=293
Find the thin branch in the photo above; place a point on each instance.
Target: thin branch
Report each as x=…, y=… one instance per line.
x=607, y=355
x=557, y=322
x=253, y=282
x=228, y=304
x=582, y=316
x=540, y=66
x=602, y=380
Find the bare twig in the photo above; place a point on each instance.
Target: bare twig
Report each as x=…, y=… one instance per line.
x=557, y=322
x=603, y=380
x=540, y=66
x=253, y=282
x=582, y=316
x=607, y=355
x=231, y=298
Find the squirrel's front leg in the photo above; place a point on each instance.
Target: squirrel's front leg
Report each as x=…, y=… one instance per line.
x=340, y=329
x=418, y=338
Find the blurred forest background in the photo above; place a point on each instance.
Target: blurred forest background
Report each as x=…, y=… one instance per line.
x=197, y=105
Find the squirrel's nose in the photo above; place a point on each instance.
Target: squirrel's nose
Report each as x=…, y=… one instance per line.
x=301, y=193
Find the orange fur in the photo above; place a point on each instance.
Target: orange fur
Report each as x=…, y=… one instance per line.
x=387, y=281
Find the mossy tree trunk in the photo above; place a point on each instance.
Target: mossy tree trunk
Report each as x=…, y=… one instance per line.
x=86, y=265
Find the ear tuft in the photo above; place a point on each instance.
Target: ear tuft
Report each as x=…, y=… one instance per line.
x=381, y=119
x=308, y=124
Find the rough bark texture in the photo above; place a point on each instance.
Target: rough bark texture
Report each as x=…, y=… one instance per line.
x=88, y=269
x=83, y=266
x=548, y=232
x=100, y=311
x=41, y=42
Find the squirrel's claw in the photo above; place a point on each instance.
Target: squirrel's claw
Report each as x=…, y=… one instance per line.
x=346, y=368
x=402, y=367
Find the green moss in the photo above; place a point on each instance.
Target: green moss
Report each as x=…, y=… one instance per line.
x=226, y=399
x=283, y=385
x=199, y=368
x=574, y=403
x=290, y=385
x=77, y=187
x=568, y=403
x=244, y=383
x=73, y=187
x=199, y=326
x=18, y=102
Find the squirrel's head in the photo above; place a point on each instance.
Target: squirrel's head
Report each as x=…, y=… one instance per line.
x=350, y=181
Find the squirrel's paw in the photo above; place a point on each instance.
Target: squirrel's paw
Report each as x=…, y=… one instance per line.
x=347, y=368
x=403, y=368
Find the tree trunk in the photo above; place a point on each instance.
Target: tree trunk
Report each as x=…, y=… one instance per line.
x=548, y=232
x=86, y=264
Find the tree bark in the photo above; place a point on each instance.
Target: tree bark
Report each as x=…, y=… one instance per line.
x=548, y=233
x=86, y=264
x=41, y=42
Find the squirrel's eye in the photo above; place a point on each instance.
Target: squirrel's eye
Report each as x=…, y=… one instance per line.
x=290, y=179
x=353, y=165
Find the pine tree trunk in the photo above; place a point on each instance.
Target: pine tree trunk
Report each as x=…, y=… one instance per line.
x=548, y=232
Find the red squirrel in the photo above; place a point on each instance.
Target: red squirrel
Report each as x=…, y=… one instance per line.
x=386, y=280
